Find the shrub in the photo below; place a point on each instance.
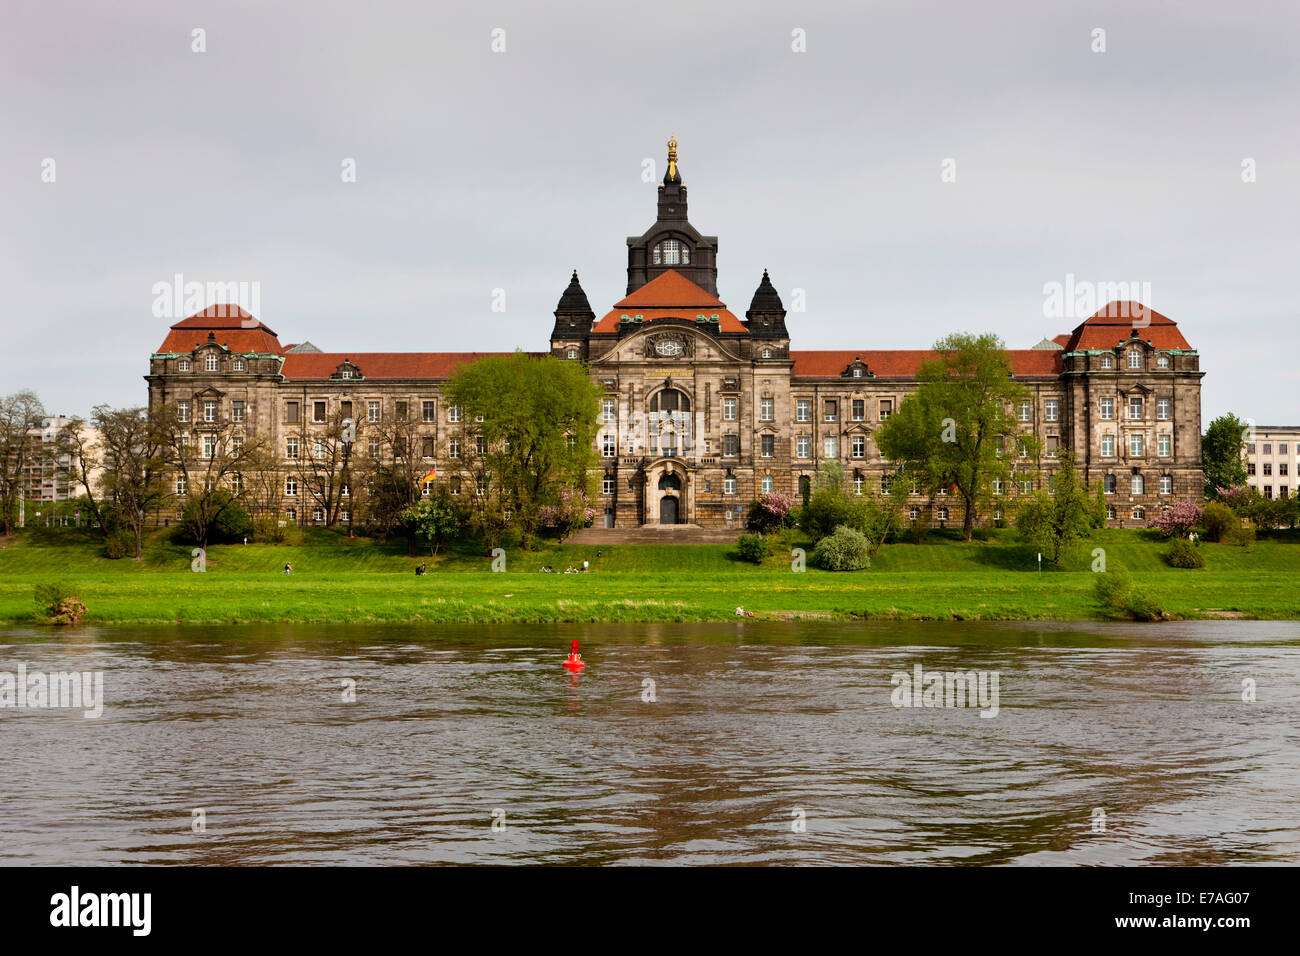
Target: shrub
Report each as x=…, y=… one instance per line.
x=1241, y=533
x=1217, y=519
x=1177, y=519
x=752, y=548
x=1114, y=589
x=119, y=544
x=56, y=603
x=770, y=512
x=1184, y=554
x=231, y=526
x=844, y=549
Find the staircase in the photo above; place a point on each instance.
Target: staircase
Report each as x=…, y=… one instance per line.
x=656, y=534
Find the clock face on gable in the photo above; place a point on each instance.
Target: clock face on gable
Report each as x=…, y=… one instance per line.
x=669, y=347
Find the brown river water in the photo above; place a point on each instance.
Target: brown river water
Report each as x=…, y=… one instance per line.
x=743, y=742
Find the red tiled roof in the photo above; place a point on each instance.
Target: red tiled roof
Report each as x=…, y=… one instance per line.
x=1062, y=340
x=307, y=366
x=904, y=364
x=230, y=326
x=222, y=316
x=1115, y=324
x=670, y=294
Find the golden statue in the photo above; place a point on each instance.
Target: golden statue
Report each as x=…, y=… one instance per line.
x=672, y=157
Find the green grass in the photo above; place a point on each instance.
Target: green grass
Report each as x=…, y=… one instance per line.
x=344, y=580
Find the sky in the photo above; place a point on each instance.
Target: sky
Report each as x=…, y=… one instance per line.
x=915, y=168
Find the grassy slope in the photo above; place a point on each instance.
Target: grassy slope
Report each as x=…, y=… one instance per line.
x=361, y=580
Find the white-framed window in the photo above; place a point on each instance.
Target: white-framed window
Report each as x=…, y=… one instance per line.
x=1107, y=446
x=803, y=410
x=857, y=371
x=1162, y=361
x=182, y=485
x=607, y=485
x=767, y=445
x=997, y=486
x=209, y=411
x=572, y=353
x=608, y=446
x=238, y=365
x=671, y=252
x=1050, y=410
x=830, y=410
x=372, y=411
x=1107, y=409
x=858, y=409
x=1135, y=444
x=480, y=446
x=1139, y=512
x=236, y=411
x=372, y=445
x=453, y=413
x=858, y=481
x=1166, y=484
x=317, y=514
x=427, y=412
x=291, y=487
x=1025, y=410
x=767, y=353
x=765, y=410
x=1135, y=407
x=803, y=446
x=941, y=513
x=913, y=513
x=858, y=446
x=766, y=484
x=209, y=446
x=317, y=448
x=1107, y=361
x=291, y=447
x=1110, y=513
x=608, y=409
x=183, y=365
x=1027, y=487
x=182, y=411
x=1137, y=485
x=729, y=409
x=1164, y=445
x=729, y=485
x=210, y=362
x=1162, y=409
x=830, y=447
x=1134, y=358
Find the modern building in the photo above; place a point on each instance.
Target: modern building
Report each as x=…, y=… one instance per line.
x=704, y=409
x=1272, y=455
x=50, y=475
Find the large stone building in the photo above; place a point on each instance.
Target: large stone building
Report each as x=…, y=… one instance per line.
x=703, y=409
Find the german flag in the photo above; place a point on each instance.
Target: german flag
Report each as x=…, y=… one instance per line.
x=433, y=473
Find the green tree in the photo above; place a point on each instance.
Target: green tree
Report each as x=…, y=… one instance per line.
x=1221, y=454
x=21, y=416
x=539, y=423
x=434, y=520
x=1056, y=519
x=959, y=431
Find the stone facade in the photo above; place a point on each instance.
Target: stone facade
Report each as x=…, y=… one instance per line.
x=703, y=410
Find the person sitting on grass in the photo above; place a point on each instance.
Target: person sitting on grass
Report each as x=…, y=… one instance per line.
x=288, y=567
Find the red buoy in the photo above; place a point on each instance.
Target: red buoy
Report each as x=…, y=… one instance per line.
x=574, y=661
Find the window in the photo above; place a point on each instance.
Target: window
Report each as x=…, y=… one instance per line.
x=830, y=447
x=372, y=411
x=399, y=411
x=730, y=446
x=941, y=513
x=318, y=412
x=182, y=411
x=767, y=353
x=209, y=411
x=766, y=484
x=1250, y=468
x=1027, y=487
x=1281, y=449
x=1268, y=448
x=1136, y=485
x=1135, y=445
x=453, y=448
x=765, y=411
x=1139, y=512
x=480, y=446
x=1107, y=361
x=914, y=512
x=453, y=413
x=1162, y=361
x=454, y=485
x=671, y=252
x=767, y=445
x=858, y=481
x=182, y=485
x=1281, y=468
x=858, y=446
x=830, y=410
x=1268, y=491
x=345, y=373
x=608, y=446
x=729, y=485
x=426, y=448
x=607, y=410
x=1108, y=484
x=291, y=487
x=291, y=447
x=857, y=372
x=1268, y=469
x=291, y=514
x=1110, y=513
x=1162, y=409
x=886, y=407
x=670, y=400
x=209, y=446
x=1135, y=407
x=1107, y=409
x=291, y=413
x=1134, y=358
x=1164, y=445
x=236, y=411
x=372, y=446
x=803, y=447
x=238, y=365
x=1166, y=484
x=1107, y=446
x=479, y=419
x=1050, y=410
x=317, y=514
x=317, y=448
x=803, y=410
x=607, y=485
x=859, y=409
x=1025, y=411
x=183, y=365
x=1250, y=448
x=572, y=353
x=210, y=362
x=997, y=486
x=426, y=411
x=729, y=406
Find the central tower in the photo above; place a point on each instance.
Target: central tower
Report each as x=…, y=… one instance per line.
x=672, y=242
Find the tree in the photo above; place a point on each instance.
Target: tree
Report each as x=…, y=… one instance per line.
x=393, y=483
x=1221, y=454
x=1055, y=519
x=324, y=463
x=21, y=448
x=959, y=432
x=434, y=520
x=1178, y=519
x=539, y=423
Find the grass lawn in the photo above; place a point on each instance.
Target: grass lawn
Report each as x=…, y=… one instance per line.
x=338, y=579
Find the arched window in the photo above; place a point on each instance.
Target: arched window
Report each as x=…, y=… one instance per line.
x=1134, y=358
x=670, y=483
x=767, y=353
x=1108, y=484
x=671, y=252
x=1137, y=486
x=670, y=400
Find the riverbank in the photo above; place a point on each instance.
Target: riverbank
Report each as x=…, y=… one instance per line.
x=359, y=580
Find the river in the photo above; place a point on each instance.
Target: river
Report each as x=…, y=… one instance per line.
x=744, y=742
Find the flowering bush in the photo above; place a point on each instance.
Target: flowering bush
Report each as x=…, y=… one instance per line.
x=569, y=513
x=1177, y=520
x=771, y=512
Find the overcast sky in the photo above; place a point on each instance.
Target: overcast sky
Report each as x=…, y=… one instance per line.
x=478, y=170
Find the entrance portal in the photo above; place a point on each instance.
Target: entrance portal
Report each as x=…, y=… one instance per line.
x=667, y=510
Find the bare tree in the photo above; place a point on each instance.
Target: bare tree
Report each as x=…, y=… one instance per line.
x=324, y=463
x=21, y=448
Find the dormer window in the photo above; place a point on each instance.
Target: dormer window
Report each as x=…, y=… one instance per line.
x=573, y=353
x=210, y=363
x=1134, y=358
x=1107, y=361
x=1162, y=361
x=239, y=365
x=857, y=372
x=671, y=252
x=767, y=353
x=183, y=365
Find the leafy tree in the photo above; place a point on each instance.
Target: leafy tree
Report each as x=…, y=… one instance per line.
x=844, y=549
x=1053, y=520
x=1221, y=454
x=959, y=432
x=21, y=416
x=1217, y=519
x=434, y=520
x=571, y=513
x=539, y=423
x=752, y=548
x=770, y=512
x=231, y=524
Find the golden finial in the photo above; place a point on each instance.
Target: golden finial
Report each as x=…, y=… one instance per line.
x=672, y=157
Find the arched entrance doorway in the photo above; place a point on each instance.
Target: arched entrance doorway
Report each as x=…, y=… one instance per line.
x=667, y=510
x=670, y=504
